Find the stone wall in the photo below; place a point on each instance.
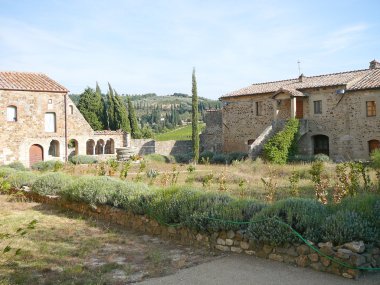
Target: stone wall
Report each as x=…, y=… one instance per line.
x=17, y=137
x=211, y=138
x=148, y=146
x=354, y=254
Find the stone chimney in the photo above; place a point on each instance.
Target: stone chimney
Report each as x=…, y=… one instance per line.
x=301, y=78
x=374, y=64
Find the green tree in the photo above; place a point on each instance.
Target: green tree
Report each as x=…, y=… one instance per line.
x=135, y=130
x=91, y=106
x=121, y=114
x=111, y=108
x=195, y=130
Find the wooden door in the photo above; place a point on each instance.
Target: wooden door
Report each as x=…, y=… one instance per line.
x=373, y=144
x=36, y=154
x=299, y=108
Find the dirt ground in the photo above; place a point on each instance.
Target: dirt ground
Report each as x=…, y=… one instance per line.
x=65, y=248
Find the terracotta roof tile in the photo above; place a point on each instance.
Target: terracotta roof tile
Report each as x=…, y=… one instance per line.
x=352, y=80
x=29, y=81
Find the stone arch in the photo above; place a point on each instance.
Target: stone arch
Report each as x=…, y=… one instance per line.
x=373, y=145
x=90, y=147
x=54, y=148
x=321, y=144
x=99, y=149
x=73, y=147
x=109, y=147
x=36, y=154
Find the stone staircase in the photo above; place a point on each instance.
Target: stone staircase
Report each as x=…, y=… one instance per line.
x=257, y=146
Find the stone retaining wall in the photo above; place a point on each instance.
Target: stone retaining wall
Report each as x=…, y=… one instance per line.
x=148, y=146
x=355, y=254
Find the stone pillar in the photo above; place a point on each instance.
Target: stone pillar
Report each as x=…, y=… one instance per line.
x=293, y=106
x=127, y=140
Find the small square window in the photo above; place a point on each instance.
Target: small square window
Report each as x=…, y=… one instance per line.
x=50, y=101
x=317, y=107
x=371, y=108
x=259, y=108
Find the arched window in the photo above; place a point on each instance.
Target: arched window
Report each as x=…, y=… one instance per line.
x=110, y=147
x=321, y=144
x=99, y=149
x=373, y=145
x=54, y=148
x=11, y=113
x=90, y=147
x=50, y=122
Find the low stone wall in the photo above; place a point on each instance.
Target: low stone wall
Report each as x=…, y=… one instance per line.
x=355, y=254
x=148, y=146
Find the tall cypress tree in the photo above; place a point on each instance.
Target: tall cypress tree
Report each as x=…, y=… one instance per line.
x=194, y=111
x=111, y=108
x=91, y=106
x=135, y=131
x=121, y=114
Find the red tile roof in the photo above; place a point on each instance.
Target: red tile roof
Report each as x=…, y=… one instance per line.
x=352, y=80
x=29, y=81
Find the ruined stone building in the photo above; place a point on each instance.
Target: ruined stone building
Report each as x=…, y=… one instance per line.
x=338, y=113
x=39, y=122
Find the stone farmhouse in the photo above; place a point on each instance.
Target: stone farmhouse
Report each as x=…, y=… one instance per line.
x=338, y=113
x=38, y=122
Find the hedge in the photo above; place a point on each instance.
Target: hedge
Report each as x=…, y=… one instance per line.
x=282, y=146
x=352, y=219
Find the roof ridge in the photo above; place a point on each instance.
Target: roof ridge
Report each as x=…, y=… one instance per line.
x=29, y=72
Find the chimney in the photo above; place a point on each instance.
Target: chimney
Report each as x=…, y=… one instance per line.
x=301, y=77
x=374, y=64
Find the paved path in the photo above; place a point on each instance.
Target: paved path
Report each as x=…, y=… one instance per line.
x=246, y=270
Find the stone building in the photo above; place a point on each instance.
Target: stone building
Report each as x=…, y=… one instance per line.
x=38, y=122
x=338, y=114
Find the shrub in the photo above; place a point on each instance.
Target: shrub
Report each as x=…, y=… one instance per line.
x=5, y=171
x=184, y=158
x=321, y=157
x=17, y=166
x=280, y=147
x=206, y=155
x=51, y=183
x=219, y=158
x=21, y=178
x=303, y=215
x=157, y=157
x=346, y=226
x=300, y=158
x=236, y=156
x=83, y=159
x=50, y=165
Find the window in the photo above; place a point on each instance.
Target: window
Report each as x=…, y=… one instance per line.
x=317, y=107
x=50, y=122
x=50, y=101
x=373, y=145
x=11, y=113
x=71, y=107
x=259, y=108
x=371, y=108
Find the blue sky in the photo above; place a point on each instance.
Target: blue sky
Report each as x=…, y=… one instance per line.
x=152, y=46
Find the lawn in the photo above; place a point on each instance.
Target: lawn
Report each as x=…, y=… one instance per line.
x=65, y=248
x=180, y=134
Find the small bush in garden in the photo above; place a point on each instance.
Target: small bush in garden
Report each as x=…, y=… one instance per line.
x=101, y=169
x=303, y=215
x=174, y=175
x=184, y=158
x=300, y=158
x=375, y=163
x=281, y=146
x=21, y=178
x=6, y=171
x=222, y=182
x=242, y=183
x=346, y=226
x=17, y=166
x=157, y=157
x=51, y=183
x=206, y=156
x=125, y=169
x=236, y=156
x=207, y=180
x=191, y=168
x=152, y=175
x=49, y=165
x=294, y=179
x=4, y=185
x=83, y=159
x=321, y=157
x=205, y=160
x=219, y=158
x=270, y=187
x=321, y=182
x=113, y=166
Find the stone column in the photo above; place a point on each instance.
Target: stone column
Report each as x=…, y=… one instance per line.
x=293, y=106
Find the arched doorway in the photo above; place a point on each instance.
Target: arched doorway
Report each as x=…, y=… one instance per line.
x=72, y=147
x=373, y=145
x=54, y=148
x=90, y=147
x=99, y=149
x=321, y=144
x=110, y=147
x=36, y=154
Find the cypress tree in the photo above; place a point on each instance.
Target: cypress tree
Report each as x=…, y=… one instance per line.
x=194, y=113
x=121, y=114
x=91, y=106
x=135, y=131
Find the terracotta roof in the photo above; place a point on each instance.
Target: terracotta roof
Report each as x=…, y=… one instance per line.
x=29, y=81
x=352, y=80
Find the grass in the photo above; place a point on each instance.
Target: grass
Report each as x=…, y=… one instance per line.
x=65, y=248
x=180, y=134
